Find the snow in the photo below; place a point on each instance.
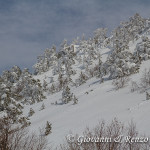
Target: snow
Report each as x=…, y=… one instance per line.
x=96, y=102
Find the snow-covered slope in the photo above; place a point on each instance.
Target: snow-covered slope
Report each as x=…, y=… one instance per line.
x=78, y=83
x=96, y=101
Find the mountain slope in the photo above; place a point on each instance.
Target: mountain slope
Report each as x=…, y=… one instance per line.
x=96, y=101
x=83, y=82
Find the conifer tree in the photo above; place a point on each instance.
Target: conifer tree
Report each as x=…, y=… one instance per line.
x=100, y=36
x=42, y=107
x=48, y=128
x=31, y=112
x=45, y=86
x=52, y=89
x=147, y=96
x=75, y=100
x=82, y=78
x=100, y=69
x=60, y=82
x=67, y=96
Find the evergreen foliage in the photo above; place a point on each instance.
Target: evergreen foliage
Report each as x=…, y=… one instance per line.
x=18, y=87
x=31, y=112
x=72, y=64
x=42, y=107
x=48, y=128
x=67, y=96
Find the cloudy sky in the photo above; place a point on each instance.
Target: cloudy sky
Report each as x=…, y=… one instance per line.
x=27, y=27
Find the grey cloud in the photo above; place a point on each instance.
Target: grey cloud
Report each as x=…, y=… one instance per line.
x=28, y=27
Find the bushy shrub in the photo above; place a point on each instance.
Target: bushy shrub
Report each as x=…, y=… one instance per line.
x=113, y=136
x=120, y=82
x=14, y=137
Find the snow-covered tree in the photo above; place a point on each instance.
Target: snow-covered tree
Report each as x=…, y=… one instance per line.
x=42, y=107
x=45, y=86
x=9, y=101
x=82, y=78
x=31, y=112
x=120, y=62
x=52, y=89
x=100, y=36
x=31, y=90
x=15, y=73
x=45, y=61
x=60, y=82
x=135, y=26
x=67, y=96
x=142, y=52
x=75, y=100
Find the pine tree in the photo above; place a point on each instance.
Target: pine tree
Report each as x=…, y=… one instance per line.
x=24, y=121
x=51, y=79
x=15, y=73
x=48, y=128
x=100, y=36
x=67, y=96
x=52, y=89
x=45, y=61
x=82, y=78
x=101, y=70
x=119, y=63
x=31, y=90
x=147, y=96
x=42, y=107
x=45, y=86
x=75, y=100
x=31, y=112
x=142, y=50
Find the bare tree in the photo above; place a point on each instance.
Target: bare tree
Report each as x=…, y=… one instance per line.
x=120, y=82
x=14, y=137
x=113, y=136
